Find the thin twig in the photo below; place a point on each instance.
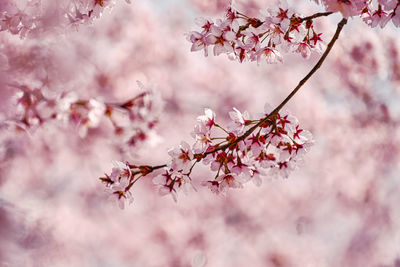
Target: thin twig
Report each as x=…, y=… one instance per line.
x=316, y=15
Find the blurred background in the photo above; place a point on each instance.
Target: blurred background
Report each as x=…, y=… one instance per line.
x=339, y=209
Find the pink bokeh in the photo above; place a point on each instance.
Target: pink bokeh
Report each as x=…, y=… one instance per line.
x=340, y=208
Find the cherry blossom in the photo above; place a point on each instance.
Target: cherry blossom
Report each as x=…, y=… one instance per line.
x=239, y=121
x=68, y=109
x=280, y=30
x=181, y=157
x=246, y=38
x=240, y=155
x=32, y=17
x=374, y=13
x=348, y=8
x=117, y=184
x=131, y=120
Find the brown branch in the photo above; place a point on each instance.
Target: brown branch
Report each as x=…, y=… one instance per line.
x=284, y=102
x=316, y=15
x=276, y=110
x=315, y=68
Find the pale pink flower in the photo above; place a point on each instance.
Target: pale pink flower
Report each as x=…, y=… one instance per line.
x=181, y=157
x=212, y=185
x=94, y=115
x=222, y=183
x=304, y=49
x=388, y=4
x=268, y=54
x=227, y=181
x=256, y=176
x=120, y=171
x=170, y=182
x=96, y=112
x=252, y=39
x=205, y=24
x=396, y=19
x=199, y=41
x=119, y=180
x=255, y=144
x=221, y=40
x=242, y=167
x=119, y=194
x=208, y=119
x=239, y=120
x=202, y=136
x=348, y=8
x=283, y=169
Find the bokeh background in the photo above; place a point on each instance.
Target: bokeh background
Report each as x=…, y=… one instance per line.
x=339, y=209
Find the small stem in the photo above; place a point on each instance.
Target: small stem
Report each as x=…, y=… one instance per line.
x=191, y=168
x=152, y=168
x=158, y=167
x=266, y=147
x=121, y=105
x=242, y=15
x=132, y=183
x=316, y=15
x=219, y=126
x=265, y=37
x=216, y=176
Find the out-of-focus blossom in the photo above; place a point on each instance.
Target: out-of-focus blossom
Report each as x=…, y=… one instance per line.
x=131, y=121
x=33, y=17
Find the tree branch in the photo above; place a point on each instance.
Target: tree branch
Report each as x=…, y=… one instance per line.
x=276, y=110
x=284, y=102
x=316, y=15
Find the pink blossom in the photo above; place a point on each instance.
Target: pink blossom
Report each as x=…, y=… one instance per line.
x=181, y=157
x=268, y=54
x=396, y=19
x=239, y=120
x=208, y=119
x=119, y=194
x=199, y=41
x=52, y=210
x=120, y=171
x=221, y=40
x=171, y=182
x=348, y=8
x=380, y=18
x=388, y=4
x=242, y=37
x=226, y=181
x=202, y=137
x=304, y=49
x=117, y=184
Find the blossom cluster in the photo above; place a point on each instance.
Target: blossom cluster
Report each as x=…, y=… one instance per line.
x=17, y=20
x=33, y=16
x=246, y=38
x=348, y=8
x=374, y=13
x=382, y=14
x=246, y=150
x=281, y=30
x=131, y=120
